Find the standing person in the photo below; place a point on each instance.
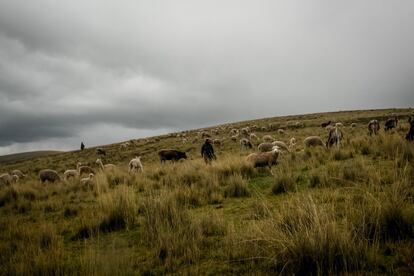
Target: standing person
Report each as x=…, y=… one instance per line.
x=207, y=151
x=82, y=145
x=410, y=134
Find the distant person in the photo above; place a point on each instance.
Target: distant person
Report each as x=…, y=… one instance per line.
x=82, y=145
x=410, y=134
x=207, y=151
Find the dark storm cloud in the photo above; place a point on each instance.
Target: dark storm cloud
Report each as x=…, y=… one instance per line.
x=67, y=68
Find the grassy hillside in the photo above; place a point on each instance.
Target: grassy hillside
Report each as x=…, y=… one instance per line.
x=319, y=211
x=18, y=157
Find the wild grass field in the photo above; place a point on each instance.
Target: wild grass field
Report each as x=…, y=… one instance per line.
x=318, y=211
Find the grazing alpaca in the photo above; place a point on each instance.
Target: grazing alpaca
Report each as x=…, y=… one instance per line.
x=135, y=165
x=326, y=124
x=234, y=132
x=106, y=167
x=264, y=159
x=292, y=143
x=373, y=127
x=7, y=179
x=313, y=141
x=217, y=142
x=245, y=144
x=87, y=181
x=267, y=138
x=391, y=123
x=49, y=175
x=335, y=137
x=281, y=145
x=18, y=173
x=245, y=131
x=253, y=137
x=171, y=154
x=70, y=173
x=84, y=169
x=265, y=147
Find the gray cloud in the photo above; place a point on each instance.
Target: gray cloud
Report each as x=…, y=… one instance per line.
x=144, y=67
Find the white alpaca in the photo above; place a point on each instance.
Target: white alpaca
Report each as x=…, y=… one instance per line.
x=292, y=143
x=106, y=167
x=87, y=181
x=84, y=169
x=135, y=165
x=70, y=173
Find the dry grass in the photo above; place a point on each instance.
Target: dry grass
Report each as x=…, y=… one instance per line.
x=319, y=211
x=171, y=231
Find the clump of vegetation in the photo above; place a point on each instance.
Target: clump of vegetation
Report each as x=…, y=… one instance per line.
x=319, y=179
x=284, y=181
x=170, y=230
x=120, y=209
x=304, y=239
x=8, y=195
x=236, y=186
x=259, y=210
x=212, y=225
x=354, y=170
x=188, y=197
x=283, y=184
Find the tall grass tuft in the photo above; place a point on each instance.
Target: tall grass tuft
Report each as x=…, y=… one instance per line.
x=284, y=180
x=36, y=251
x=303, y=239
x=120, y=209
x=236, y=186
x=171, y=231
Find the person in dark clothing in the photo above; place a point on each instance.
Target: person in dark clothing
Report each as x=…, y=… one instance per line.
x=82, y=145
x=207, y=151
x=410, y=134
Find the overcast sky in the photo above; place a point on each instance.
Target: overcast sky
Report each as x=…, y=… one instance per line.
x=107, y=71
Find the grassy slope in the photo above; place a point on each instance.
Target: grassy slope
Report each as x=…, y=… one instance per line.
x=222, y=219
x=18, y=157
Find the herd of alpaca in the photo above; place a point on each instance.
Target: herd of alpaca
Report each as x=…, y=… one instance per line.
x=268, y=151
